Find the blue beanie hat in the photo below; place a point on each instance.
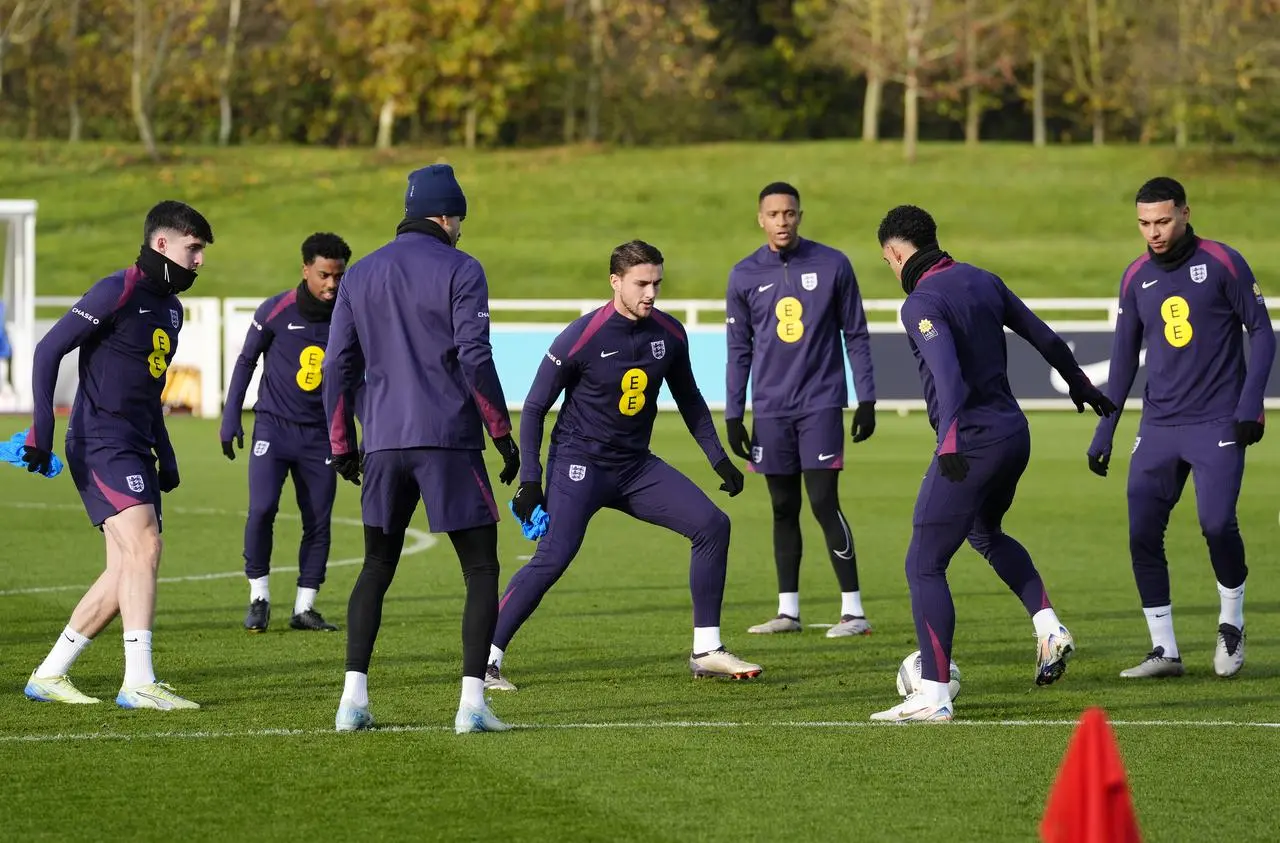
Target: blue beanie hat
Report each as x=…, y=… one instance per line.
x=434, y=191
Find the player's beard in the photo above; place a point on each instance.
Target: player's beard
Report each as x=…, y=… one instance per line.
x=165, y=273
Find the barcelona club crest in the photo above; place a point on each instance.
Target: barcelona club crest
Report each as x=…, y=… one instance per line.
x=659, y=348
x=1199, y=272
x=175, y=318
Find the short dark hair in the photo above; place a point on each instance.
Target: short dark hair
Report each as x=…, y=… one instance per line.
x=323, y=244
x=910, y=224
x=633, y=253
x=1161, y=189
x=179, y=217
x=779, y=188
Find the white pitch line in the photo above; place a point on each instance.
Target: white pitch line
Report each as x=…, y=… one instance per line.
x=418, y=541
x=669, y=724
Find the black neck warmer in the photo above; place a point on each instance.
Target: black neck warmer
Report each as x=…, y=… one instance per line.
x=1179, y=252
x=161, y=275
x=312, y=308
x=429, y=227
x=918, y=264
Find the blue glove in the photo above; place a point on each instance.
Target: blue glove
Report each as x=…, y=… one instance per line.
x=536, y=527
x=12, y=453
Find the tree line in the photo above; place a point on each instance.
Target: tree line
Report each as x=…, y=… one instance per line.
x=493, y=73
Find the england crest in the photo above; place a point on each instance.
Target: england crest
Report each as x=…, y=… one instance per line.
x=1199, y=272
x=260, y=447
x=659, y=348
x=135, y=483
x=175, y=318
x=577, y=472
x=809, y=280
x=757, y=453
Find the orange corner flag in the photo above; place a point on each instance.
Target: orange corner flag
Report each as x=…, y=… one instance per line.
x=1090, y=801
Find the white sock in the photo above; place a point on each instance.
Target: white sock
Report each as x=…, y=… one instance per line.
x=789, y=604
x=258, y=590
x=1160, y=622
x=706, y=639
x=137, y=658
x=851, y=604
x=472, y=692
x=1046, y=622
x=1232, y=610
x=305, y=600
x=356, y=690
x=936, y=693
x=495, y=656
x=68, y=648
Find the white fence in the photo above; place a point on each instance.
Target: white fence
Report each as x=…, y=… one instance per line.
x=522, y=329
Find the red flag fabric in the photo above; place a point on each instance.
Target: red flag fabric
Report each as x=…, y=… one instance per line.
x=1089, y=802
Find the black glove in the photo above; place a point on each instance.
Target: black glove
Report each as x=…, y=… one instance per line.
x=1249, y=433
x=169, y=479
x=528, y=497
x=510, y=458
x=1087, y=393
x=347, y=465
x=954, y=467
x=1098, y=463
x=864, y=421
x=739, y=439
x=38, y=460
x=238, y=436
x=733, y=480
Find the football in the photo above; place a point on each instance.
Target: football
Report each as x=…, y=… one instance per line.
x=909, y=675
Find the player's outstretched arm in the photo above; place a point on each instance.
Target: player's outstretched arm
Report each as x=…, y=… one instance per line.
x=91, y=314
x=739, y=336
x=857, y=344
x=342, y=369
x=932, y=336
x=1025, y=323
x=256, y=342
x=1246, y=300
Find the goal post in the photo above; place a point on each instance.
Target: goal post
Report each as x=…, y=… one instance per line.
x=17, y=304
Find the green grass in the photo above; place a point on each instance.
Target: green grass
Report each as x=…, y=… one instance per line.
x=1053, y=222
x=608, y=645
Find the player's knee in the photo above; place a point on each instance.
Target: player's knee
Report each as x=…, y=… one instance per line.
x=786, y=506
x=1219, y=525
x=982, y=542
x=716, y=530
x=263, y=512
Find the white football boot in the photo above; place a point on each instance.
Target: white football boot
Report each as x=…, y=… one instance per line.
x=782, y=623
x=472, y=718
x=917, y=708
x=849, y=626
x=1228, y=656
x=1051, y=655
x=720, y=662
x=1155, y=666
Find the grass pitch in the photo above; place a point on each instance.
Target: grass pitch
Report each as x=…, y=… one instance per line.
x=788, y=756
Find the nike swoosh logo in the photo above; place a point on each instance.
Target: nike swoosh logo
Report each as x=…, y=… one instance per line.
x=293, y=327
x=763, y=287
x=143, y=310
x=607, y=353
x=328, y=460
x=1097, y=373
x=825, y=457
x=847, y=553
x=1146, y=284
x=1222, y=444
